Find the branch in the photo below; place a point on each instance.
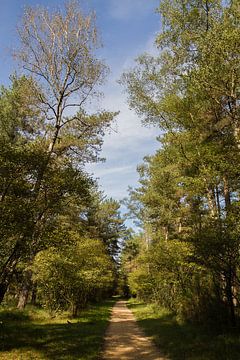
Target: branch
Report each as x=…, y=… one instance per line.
x=75, y=118
x=48, y=104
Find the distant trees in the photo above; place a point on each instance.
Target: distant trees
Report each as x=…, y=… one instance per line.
x=47, y=135
x=105, y=222
x=189, y=193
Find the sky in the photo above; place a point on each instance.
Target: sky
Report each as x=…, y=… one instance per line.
x=128, y=28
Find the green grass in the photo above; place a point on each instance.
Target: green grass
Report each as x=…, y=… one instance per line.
x=184, y=341
x=33, y=334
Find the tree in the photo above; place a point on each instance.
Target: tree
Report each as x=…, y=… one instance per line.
x=191, y=91
x=58, y=51
x=70, y=277
x=106, y=223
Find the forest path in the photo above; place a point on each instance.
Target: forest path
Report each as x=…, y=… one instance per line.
x=124, y=339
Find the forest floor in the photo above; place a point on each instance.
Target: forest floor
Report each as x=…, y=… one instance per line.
x=180, y=340
x=125, y=340
x=33, y=334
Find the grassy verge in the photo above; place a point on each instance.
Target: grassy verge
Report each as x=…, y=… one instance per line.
x=184, y=341
x=33, y=334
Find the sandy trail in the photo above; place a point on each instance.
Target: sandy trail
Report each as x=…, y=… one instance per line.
x=124, y=340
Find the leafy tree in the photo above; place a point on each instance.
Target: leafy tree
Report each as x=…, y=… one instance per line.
x=69, y=277
x=58, y=52
x=190, y=189
x=105, y=222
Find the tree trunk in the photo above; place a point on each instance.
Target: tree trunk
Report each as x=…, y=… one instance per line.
x=227, y=195
x=8, y=270
x=218, y=202
x=23, y=298
x=3, y=290
x=166, y=232
x=25, y=290
x=34, y=294
x=75, y=310
x=212, y=202
x=230, y=298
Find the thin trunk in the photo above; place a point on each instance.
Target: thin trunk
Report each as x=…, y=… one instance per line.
x=166, y=233
x=236, y=133
x=34, y=294
x=227, y=195
x=230, y=276
x=207, y=14
x=233, y=111
x=179, y=226
x=218, y=203
x=38, y=183
x=211, y=202
x=230, y=297
x=25, y=290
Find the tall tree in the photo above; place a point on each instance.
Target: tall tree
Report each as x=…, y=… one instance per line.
x=58, y=53
x=191, y=91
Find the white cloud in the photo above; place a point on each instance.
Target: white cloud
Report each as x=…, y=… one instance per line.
x=125, y=9
x=125, y=148
x=113, y=170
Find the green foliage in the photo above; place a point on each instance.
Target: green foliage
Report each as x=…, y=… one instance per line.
x=182, y=340
x=35, y=334
x=44, y=146
x=166, y=274
x=106, y=223
x=188, y=198
x=70, y=276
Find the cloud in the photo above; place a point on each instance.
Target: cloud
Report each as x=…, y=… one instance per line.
x=124, y=148
x=126, y=9
x=113, y=170
x=114, y=180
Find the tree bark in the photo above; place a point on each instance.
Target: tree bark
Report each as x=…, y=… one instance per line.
x=8, y=270
x=34, y=294
x=230, y=297
x=23, y=298
x=227, y=195
x=3, y=290
x=75, y=310
x=218, y=202
x=25, y=290
x=211, y=201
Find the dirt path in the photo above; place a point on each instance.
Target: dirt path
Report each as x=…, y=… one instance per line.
x=124, y=340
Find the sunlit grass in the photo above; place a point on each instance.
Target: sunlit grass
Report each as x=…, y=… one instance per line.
x=184, y=341
x=35, y=334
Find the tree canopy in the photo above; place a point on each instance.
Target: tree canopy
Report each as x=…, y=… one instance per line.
x=48, y=134
x=188, y=198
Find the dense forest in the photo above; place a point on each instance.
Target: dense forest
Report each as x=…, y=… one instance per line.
x=187, y=201
x=62, y=242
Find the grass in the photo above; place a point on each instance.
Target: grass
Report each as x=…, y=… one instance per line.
x=33, y=334
x=184, y=341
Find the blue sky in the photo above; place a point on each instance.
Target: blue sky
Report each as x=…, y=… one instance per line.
x=128, y=28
